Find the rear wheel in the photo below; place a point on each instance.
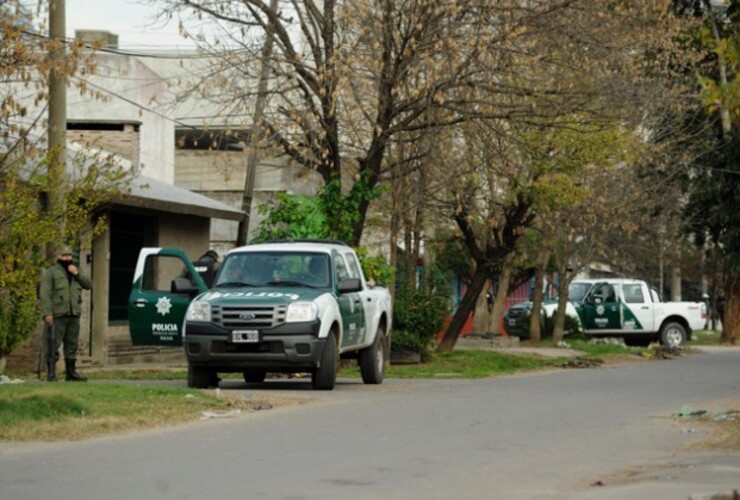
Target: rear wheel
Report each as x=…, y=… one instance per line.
x=200, y=378
x=372, y=359
x=324, y=378
x=672, y=335
x=255, y=377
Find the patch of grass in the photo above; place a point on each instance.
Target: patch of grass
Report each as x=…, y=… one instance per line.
x=52, y=412
x=141, y=374
x=604, y=350
x=705, y=337
x=472, y=364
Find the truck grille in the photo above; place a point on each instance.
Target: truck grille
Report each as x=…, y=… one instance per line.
x=249, y=317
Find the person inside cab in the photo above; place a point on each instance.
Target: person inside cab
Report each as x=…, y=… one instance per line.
x=318, y=270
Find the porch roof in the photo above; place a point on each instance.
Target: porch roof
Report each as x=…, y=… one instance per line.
x=154, y=194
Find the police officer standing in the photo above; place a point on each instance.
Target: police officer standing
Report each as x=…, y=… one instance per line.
x=61, y=306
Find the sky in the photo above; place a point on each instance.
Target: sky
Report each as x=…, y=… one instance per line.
x=134, y=21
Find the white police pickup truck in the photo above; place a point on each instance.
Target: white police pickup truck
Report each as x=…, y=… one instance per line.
x=276, y=307
x=630, y=309
x=625, y=308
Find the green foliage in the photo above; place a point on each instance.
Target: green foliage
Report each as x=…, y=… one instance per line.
x=302, y=217
x=291, y=217
x=451, y=256
x=330, y=215
x=713, y=211
x=417, y=317
x=343, y=212
x=375, y=268
x=571, y=328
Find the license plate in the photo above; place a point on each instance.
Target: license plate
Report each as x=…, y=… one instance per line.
x=245, y=336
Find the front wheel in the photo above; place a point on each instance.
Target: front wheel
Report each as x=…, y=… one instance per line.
x=255, y=377
x=324, y=378
x=201, y=378
x=372, y=359
x=672, y=335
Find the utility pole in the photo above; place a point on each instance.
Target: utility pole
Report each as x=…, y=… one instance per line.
x=257, y=132
x=57, y=107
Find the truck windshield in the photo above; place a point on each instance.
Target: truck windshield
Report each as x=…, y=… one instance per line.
x=275, y=269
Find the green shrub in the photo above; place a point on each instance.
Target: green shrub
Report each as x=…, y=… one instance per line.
x=375, y=268
x=417, y=317
x=571, y=327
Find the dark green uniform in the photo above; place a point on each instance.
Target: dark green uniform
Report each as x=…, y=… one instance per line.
x=61, y=297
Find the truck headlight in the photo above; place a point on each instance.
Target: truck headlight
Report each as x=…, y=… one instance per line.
x=199, y=311
x=301, y=311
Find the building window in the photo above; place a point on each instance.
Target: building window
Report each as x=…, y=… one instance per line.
x=212, y=139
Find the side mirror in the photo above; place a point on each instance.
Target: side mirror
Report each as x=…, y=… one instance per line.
x=183, y=285
x=350, y=285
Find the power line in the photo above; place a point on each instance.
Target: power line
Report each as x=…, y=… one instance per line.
x=149, y=55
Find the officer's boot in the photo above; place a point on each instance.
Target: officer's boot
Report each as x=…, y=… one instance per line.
x=72, y=375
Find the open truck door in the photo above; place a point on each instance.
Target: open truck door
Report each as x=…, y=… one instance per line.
x=165, y=282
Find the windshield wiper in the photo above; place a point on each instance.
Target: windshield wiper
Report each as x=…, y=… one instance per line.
x=289, y=283
x=230, y=284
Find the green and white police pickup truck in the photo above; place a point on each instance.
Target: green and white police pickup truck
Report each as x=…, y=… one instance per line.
x=630, y=309
x=285, y=307
x=625, y=308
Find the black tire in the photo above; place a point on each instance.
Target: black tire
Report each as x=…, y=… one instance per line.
x=324, y=378
x=373, y=359
x=255, y=377
x=673, y=335
x=199, y=377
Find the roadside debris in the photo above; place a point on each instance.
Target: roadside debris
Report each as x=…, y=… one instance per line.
x=4, y=379
x=598, y=482
x=206, y=415
x=716, y=415
x=582, y=362
x=735, y=495
x=688, y=411
x=658, y=351
x=608, y=341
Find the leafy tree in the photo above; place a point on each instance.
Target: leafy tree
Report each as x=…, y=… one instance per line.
x=349, y=79
x=26, y=231
x=302, y=217
x=507, y=176
x=712, y=214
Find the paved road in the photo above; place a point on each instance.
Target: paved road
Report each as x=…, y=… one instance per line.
x=538, y=436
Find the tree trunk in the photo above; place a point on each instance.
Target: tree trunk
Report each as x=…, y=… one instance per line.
x=499, y=303
x=731, y=317
x=481, y=315
x=463, y=310
x=676, y=283
x=535, y=326
x=559, y=328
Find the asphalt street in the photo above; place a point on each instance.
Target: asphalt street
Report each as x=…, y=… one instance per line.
x=564, y=434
